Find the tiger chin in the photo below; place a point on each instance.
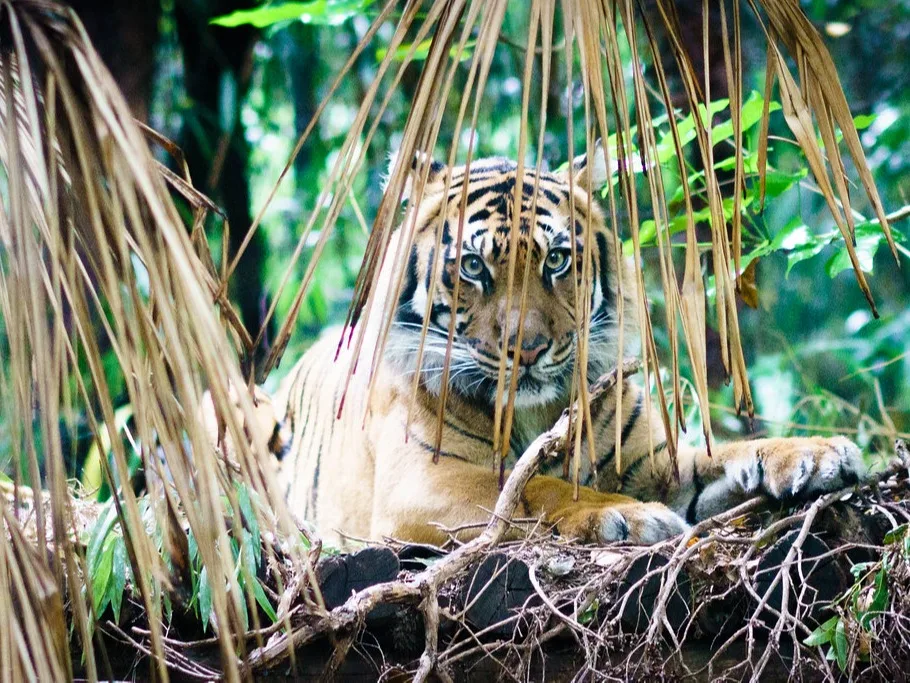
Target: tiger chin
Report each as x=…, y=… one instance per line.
x=371, y=473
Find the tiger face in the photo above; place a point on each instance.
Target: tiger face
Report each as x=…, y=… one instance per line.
x=473, y=256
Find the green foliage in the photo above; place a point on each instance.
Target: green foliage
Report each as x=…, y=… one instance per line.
x=106, y=562
x=796, y=240
x=421, y=51
x=111, y=577
x=92, y=480
x=317, y=12
x=247, y=559
x=862, y=603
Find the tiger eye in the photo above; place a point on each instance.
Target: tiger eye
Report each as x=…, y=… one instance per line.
x=557, y=260
x=472, y=266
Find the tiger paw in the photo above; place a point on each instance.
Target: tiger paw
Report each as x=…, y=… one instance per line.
x=265, y=415
x=643, y=523
x=803, y=466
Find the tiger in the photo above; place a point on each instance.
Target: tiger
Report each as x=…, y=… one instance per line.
x=378, y=469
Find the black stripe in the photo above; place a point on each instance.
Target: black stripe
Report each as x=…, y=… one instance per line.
x=499, y=188
x=589, y=479
x=549, y=194
x=405, y=310
x=429, y=449
x=468, y=434
x=632, y=469
x=699, y=487
x=296, y=435
x=603, y=252
x=429, y=268
x=626, y=430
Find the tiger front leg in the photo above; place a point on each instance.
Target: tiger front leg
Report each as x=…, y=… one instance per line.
x=417, y=500
x=601, y=517
x=781, y=468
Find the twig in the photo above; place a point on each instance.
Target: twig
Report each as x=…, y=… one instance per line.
x=427, y=582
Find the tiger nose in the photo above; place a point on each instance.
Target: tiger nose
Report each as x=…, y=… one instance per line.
x=531, y=351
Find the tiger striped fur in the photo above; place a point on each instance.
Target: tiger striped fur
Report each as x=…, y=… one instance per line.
x=363, y=475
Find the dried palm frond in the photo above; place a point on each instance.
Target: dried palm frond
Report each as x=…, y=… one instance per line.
x=94, y=255
x=596, y=34
x=95, y=259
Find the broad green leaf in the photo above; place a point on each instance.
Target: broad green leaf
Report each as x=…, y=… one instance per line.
x=778, y=182
x=750, y=163
x=866, y=246
x=319, y=12
x=879, y=599
x=861, y=568
x=92, y=478
x=823, y=634
x=666, y=149
x=751, y=115
x=840, y=645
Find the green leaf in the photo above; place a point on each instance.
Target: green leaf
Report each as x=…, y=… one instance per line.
x=422, y=51
x=119, y=570
x=863, y=121
x=263, y=601
x=823, y=634
x=840, y=645
x=244, y=613
x=249, y=554
x=98, y=535
x=205, y=598
x=866, y=246
x=101, y=578
x=778, y=182
x=249, y=517
x=589, y=613
x=318, y=12
x=666, y=148
x=861, y=568
x=896, y=534
x=879, y=599
x=751, y=114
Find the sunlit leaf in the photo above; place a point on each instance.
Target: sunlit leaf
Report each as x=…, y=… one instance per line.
x=422, y=51
x=863, y=121
x=325, y=12
x=866, y=247
x=204, y=591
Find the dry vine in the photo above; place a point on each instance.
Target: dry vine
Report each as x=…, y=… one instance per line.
x=425, y=586
x=726, y=556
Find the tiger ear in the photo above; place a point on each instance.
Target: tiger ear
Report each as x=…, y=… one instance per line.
x=588, y=171
x=435, y=174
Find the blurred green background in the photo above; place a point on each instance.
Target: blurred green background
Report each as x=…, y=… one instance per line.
x=236, y=98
